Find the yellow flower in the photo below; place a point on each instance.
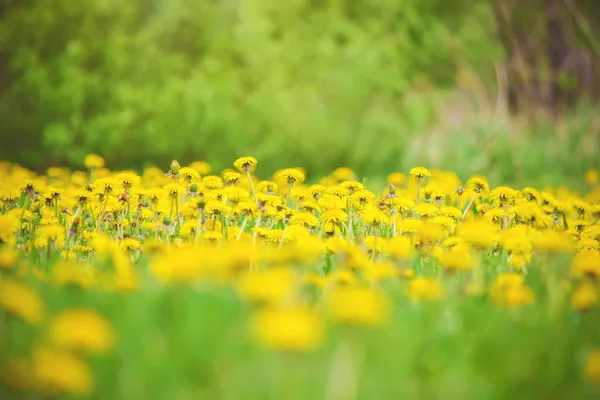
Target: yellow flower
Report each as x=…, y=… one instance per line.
x=586, y=263
x=352, y=186
x=425, y=289
x=337, y=245
x=451, y=212
x=592, y=366
x=409, y=225
x=130, y=244
x=292, y=329
x=231, y=177
x=215, y=207
x=588, y=244
x=458, y=258
x=81, y=330
x=358, y=306
x=213, y=236
x=59, y=372
x=174, y=189
x=305, y=219
x=518, y=244
x=503, y=194
x=419, y=173
x=8, y=257
x=396, y=178
x=400, y=247
x=509, y=290
x=245, y=164
x=343, y=174
x=73, y=273
x=479, y=233
x=212, y=182
x=21, y=301
x=531, y=195
x=291, y=175
x=374, y=216
x=202, y=167
x=334, y=216
x=268, y=286
x=426, y=210
x=592, y=176
x=189, y=173
x=178, y=266
x=584, y=297
x=128, y=179
x=478, y=184
x=93, y=161
x=376, y=244
x=379, y=271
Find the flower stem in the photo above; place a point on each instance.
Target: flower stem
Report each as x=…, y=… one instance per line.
x=469, y=206
x=252, y=186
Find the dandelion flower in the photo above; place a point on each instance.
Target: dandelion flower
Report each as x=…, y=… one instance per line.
x=419, y=173
x=291, y=329
x=291, y=175
x=82, y=330
x=22, y=301
x=93, y=161
x=358, y=306
x=245, y=164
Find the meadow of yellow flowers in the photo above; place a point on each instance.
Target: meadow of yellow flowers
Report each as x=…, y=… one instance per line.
x=187, y=284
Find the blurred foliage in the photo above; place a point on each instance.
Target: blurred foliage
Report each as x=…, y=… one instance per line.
x=305, y=81
x=319, y=83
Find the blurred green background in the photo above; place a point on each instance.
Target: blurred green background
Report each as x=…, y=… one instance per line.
x=502, y=87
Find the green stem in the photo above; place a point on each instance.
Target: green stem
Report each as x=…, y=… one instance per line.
x=469, y=206
x=252, y=186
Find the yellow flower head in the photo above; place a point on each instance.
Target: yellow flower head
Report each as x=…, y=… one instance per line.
x=215, y=207
x=272, y=285
x=358, y=306
x=128, y=179
x=352, y=186
x=212, y=182
x=479, y=233
x=291, y=175
x=509, y=290
x=592, y=366
x=202, y=167
x=189, y=173
x=60, y=372
x=343, y=174
x=425, y=289
x=396, y=178
x=419, y=173
x=458, y=258
x=334, y=216
x=426, y=210
x=21, y=301
x=304, y=218
x=374, y=216
x=291, y=329
x=245, y=164
x=584, y=297
x=231, y=177
x=82, y=330
x=503, y=194
x=478, y=184
x=592, y=176
x=93, y=161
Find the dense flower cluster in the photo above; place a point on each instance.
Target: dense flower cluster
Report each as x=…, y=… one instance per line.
x=425, y=237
